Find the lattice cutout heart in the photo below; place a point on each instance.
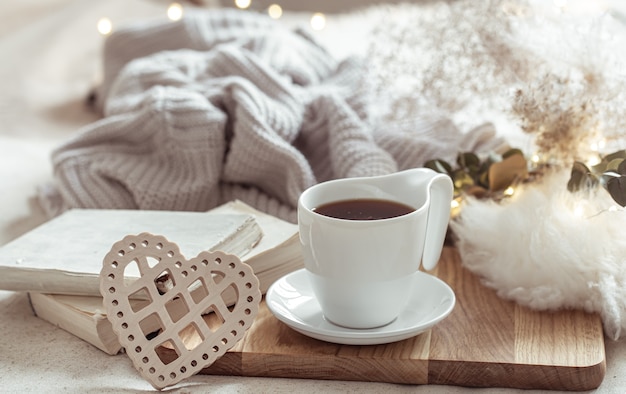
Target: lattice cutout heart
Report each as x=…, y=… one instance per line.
x=175, y=294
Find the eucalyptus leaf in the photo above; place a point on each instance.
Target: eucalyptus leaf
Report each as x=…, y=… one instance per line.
x=439, y=166
x=614, y=165
x=621, y=169
x=620, y=154
x=600, y=167
x=605, y=161
x=462, y=179
x=605, y=177
x=484, y=166
x=581, y=178
x=511, y=152
x=616, y=187
x=483, y=178
x=468, y=160
x=493, y=157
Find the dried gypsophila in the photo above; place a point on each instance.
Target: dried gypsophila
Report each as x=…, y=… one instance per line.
x=561, y=116
x=449, y=56
x=464, y=58
x=578, y=99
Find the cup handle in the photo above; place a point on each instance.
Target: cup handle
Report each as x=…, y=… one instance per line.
x=441, y=191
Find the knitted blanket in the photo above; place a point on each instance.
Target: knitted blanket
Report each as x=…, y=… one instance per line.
x=230, y=104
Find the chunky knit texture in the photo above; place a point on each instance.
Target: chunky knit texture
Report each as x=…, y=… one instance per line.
x=230, y=105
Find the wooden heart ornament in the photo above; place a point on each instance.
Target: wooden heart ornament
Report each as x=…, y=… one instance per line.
x=168, y=301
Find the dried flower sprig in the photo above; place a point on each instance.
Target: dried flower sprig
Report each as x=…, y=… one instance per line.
x=562, y=74
x=449, y=56
x=561, y=115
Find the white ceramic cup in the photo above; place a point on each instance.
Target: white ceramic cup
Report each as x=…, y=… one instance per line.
x=362, y=271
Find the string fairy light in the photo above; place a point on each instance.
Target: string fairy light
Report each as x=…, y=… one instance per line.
x=598, y=145
x=535, y=159
x=243, y=4
x=175, y=11
x=579, y=210
x=593, y=161
x=104, y=26
x=455, y=207
x=318, y=21
x=275, y=11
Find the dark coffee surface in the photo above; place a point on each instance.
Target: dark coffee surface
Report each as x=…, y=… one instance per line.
x=364, y=209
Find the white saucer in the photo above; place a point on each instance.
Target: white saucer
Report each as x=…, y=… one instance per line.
x=291, y=300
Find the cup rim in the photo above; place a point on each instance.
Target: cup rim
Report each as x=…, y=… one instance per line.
x=304, y=208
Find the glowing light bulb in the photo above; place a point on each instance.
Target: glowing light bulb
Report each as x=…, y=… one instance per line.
x=105, y=27
x=318, y=21
x=593, y=160
x=509, y=191
x=598, y=145
x=455, y=207
x=175, y=12
x=275, y=11
x=579, y=210
x=243, y=4
x=535, y=159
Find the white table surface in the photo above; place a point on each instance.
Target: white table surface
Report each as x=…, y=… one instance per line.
x=49, y=59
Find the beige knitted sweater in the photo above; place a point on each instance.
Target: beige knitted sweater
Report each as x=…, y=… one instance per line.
x=231, y=105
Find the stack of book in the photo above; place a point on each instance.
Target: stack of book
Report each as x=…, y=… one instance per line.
x=59, y=262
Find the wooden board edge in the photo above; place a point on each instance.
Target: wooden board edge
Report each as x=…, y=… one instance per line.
x=414, y=372
x=519, y=376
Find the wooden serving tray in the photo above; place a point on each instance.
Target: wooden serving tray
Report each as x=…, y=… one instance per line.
x=485, y=342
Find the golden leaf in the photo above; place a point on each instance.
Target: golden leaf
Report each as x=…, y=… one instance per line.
x=503, y=173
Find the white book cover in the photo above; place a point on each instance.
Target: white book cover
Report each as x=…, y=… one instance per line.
x=64, y=255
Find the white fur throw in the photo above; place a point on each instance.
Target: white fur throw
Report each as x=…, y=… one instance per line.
x=550, y=249
x=229, y=105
